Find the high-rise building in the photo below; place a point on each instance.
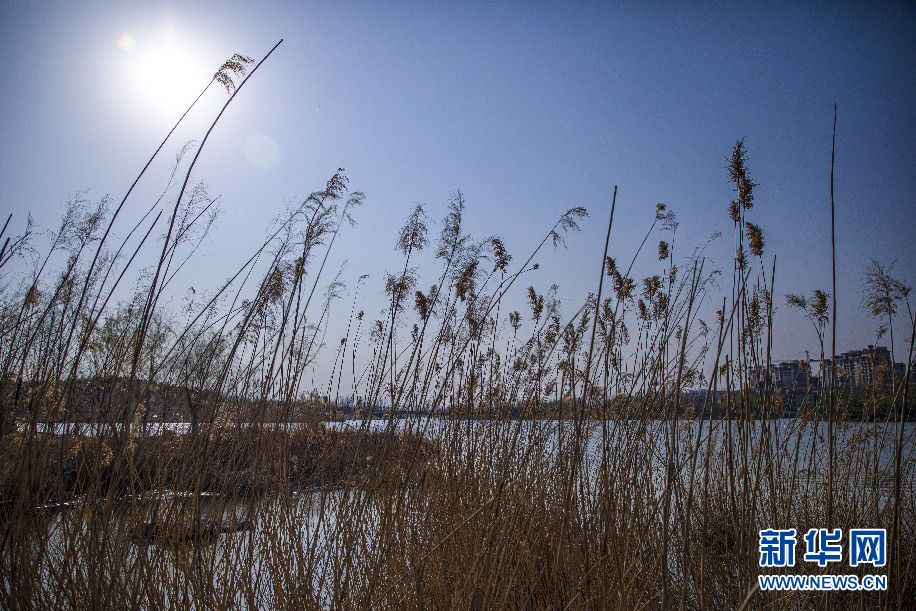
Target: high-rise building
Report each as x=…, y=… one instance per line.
x=858, y=368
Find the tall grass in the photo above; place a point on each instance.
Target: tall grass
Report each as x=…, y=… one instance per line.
x=561, y=466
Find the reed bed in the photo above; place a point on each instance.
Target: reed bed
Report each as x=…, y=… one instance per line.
x=482, y=458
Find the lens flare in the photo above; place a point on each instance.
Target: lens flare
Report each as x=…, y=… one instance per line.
x=126, y=42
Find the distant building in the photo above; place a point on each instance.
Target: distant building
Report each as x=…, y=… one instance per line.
x=792, y=376
x=789, y=376
x=859, y=368
x=900, y=374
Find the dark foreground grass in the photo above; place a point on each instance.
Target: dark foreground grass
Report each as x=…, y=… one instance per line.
x=479, y=515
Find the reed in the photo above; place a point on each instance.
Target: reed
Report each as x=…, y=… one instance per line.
x=559, y=464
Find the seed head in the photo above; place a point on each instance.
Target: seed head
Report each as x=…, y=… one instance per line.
x=755, y=238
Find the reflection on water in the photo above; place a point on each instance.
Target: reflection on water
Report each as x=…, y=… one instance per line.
x=232, y=569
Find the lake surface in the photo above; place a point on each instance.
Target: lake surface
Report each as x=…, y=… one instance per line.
x=304, y=527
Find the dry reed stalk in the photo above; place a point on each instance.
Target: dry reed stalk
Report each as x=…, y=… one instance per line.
x=514, y=500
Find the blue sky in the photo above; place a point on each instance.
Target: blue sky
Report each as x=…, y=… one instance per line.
x=529, y=108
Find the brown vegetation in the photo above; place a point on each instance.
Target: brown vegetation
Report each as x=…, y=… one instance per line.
x=569, y=473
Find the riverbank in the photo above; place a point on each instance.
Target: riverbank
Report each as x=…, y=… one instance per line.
x=445, y=513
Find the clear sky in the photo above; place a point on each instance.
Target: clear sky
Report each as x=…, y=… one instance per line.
x=529, y=108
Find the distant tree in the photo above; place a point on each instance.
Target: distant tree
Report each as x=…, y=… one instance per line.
x=880, y=295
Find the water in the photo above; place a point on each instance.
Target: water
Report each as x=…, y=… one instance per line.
x=303, y=529
x=804, y=441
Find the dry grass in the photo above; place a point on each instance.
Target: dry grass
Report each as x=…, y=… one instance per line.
x=569, y=473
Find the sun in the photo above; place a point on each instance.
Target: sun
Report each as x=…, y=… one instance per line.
x=166, y=75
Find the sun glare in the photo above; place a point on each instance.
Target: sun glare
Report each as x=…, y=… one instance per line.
x=165, y=74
